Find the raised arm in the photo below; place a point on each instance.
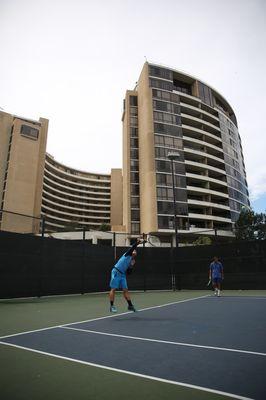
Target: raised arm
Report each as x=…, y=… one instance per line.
x=132, y=248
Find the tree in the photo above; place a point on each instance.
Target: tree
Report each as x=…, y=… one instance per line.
x=202, y=240
x=260, y=226
x=250, y=226
x=104, y=227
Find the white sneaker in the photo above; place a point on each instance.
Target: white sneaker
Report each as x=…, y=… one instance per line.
x=219, y=293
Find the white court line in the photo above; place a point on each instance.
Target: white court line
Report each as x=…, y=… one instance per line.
x=165, y=341
x=99, y=318
x=153, y=378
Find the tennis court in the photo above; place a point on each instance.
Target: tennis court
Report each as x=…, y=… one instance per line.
x=179, y=345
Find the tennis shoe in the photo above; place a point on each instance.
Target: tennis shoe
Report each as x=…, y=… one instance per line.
x=113, y=309
x=132, y=308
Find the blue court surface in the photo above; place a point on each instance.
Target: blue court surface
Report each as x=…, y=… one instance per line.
x=214, y=344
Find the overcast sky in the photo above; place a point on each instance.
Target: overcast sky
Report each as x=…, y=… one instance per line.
x=71, y=62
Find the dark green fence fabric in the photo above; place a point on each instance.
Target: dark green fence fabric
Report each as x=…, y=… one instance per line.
x=35, y=266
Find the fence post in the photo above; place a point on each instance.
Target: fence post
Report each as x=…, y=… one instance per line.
x=43, y=226
x=114, y=244
x=215, y=235
x=173, y=269
x=83, y=265
x=42, y=261
x=144, y=268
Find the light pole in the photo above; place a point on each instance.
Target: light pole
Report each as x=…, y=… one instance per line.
x=173, y=155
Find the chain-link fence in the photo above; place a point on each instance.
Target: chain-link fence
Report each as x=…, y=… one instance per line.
x=37, y=266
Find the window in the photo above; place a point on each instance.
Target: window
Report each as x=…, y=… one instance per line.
x=135, y=215
x=180, y=195
x=167, y=118
x=164, y=193
x=159, y=94
x=134, y=121
x=133, y=111
x=134, y=143
x=135, y=227
x=166, y=207
x=134, y=154
x=159, y=140
x=135, y=202
x=164, y=179
x=133, y=132
x=167, y=107
x=133, y=101
x=134, y=164
x=165, y=166
x=161, y=72
x=164, y=223
x=157, y=83
x=168, y=141
x=134, y=189
x=168, y=129
x=220, y=105
x=28, y=131
x=182, y=87
x=205, y=94
x=161, y=152
x=134, y=176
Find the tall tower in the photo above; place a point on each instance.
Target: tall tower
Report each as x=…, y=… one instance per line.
x=172, y=111
x=22, y=158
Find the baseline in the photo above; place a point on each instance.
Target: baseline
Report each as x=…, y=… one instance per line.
x=149, y=377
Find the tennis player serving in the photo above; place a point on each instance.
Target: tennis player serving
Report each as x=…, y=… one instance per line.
x=118, y=276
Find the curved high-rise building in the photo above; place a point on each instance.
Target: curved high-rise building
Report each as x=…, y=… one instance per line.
x=74, y=198
x=170, y=111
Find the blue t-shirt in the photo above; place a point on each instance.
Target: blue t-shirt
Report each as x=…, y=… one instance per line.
x=216, y=269
x=125, y=261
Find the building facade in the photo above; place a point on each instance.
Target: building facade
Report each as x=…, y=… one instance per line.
x=168, y=111
x=171, y=111
x=22, y=159
x=33, y=185
x=73, y=198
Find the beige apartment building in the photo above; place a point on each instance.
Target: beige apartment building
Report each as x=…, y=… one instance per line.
x=169, y=111
x=73, y=198
x=22, y=159
x=34, y=185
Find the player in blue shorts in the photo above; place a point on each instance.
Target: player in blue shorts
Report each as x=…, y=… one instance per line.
x=216, y=275
x=118, y=276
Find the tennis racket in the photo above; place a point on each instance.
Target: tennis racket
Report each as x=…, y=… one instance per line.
x=154, y=241
x=209, y=282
